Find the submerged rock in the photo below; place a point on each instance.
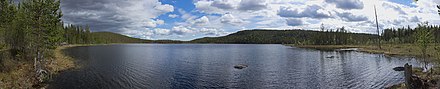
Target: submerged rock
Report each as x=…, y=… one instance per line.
x=240, y=66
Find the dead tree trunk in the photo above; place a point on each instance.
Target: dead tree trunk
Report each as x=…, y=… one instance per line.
x=408, y=76
x=377, y=26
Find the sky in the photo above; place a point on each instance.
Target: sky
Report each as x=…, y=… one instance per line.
x=192, y=19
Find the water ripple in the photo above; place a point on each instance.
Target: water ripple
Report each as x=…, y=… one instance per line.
x=189, y=66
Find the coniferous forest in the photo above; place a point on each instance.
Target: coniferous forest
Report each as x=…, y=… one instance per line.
x=409, y=35
x=32, y=28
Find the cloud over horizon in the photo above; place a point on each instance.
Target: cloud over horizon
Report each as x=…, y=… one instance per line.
x=190, y=19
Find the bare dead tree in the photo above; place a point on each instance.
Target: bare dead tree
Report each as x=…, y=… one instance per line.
x=377, y=26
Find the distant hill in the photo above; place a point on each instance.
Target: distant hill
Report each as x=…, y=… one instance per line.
x=109, y=37
x=290, y=37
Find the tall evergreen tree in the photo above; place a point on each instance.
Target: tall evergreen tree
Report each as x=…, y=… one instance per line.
x=7, y=13
x=42, y=30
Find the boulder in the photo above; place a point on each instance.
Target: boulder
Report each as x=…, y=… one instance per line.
x=240, y=66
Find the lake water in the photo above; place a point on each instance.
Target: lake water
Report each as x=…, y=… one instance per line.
x=188, y=66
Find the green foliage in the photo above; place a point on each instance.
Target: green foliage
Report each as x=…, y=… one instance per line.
x=423, y=37
x=7, y=12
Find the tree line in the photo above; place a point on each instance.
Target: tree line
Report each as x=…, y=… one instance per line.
x=411, y=35
x=78, y=35
x=337, y=36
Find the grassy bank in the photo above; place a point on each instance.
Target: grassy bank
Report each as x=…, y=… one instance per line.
x=20, y=73
x=387, y=49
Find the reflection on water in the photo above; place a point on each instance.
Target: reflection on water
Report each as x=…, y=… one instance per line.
x=183, y=66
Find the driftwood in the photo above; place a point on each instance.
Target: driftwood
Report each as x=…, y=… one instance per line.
x=41, y=74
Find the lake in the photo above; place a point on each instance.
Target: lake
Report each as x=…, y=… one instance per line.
x=189, y=66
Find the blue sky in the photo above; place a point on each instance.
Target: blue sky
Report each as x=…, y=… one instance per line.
x=179, y=4
x=404, y=2
x=192, y=19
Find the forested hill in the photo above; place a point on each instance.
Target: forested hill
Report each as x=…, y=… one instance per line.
x=291, y=37
x=109, y=37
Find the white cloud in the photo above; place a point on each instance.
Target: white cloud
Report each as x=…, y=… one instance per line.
x=227, y=16
x=205, y=7
x=347, y=4
x=181, y=30
x=160, y=31
x=160, y=22
x=230, y=19
x=201, y=21
x=252, y=5
x=212, y=32
x=224, y=4
x=186, y=15
x=153, y=23
x=349, y=17
x=150, y=24
x=133, y=17
x=173, y=16
x=164, y=8
x=310, y=11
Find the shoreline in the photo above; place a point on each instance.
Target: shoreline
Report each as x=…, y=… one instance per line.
x=21, y=72
x=394, y=50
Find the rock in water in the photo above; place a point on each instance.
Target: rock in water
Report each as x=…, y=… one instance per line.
x=330, y=57
x=240, y=66
x=398, y=68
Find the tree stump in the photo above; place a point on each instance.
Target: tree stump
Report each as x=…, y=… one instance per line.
x=408, y=76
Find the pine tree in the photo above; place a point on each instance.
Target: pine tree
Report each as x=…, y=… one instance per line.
x=43, y=29
x=7, y=13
